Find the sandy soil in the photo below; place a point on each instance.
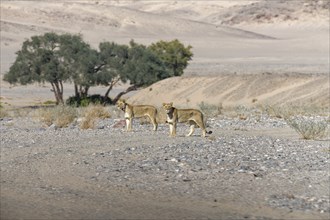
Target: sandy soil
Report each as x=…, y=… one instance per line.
x=232, y=90
x=262, y=170
x=227, y=36
x=245, y=53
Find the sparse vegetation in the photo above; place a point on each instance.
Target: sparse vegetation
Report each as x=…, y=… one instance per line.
x=59, y=58
x=3, y=112
x=305, y=120
x=49, y=102
x=211, y=110
x=242, y=112
x=91, y=114
x=308, y=127
x=86, y=101
x=61, y=116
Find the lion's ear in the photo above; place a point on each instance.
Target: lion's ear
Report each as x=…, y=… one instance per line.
x=171, y=103
x=164, y=104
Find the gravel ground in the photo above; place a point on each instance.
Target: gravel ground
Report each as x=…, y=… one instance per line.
x=247, y=169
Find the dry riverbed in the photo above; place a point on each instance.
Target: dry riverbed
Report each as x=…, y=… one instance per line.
x=247, y=169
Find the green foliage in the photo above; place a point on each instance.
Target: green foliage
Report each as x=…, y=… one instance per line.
x=85, y=101
x=56, y=59
x=174, y=54
x=49, y=58
x=79, y=60
x=49, y=102
x=143, y=66
x=111, y=59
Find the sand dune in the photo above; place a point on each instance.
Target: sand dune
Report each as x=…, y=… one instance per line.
x=233, y=90
x=228, y=37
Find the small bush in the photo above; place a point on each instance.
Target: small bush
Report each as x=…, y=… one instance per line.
x=243, y=112
x=91, y=114
x=46, y=115
x=60, y=115
x=49, y=102
x=88, y=123
x=308, y=127
x=97, y=111
x=85, y=101
x=210, y=110
x=3, y=112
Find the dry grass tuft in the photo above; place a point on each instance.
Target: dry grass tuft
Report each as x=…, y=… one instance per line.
x=211, y=110
x=3, y=111
x=91, y=114
x=60, y=115
x=88, y=123
x=309, y=128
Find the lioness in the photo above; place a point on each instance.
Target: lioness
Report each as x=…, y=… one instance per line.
x=137, y=111
x=192, y=116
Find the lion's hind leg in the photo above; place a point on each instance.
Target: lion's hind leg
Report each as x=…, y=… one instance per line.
x=192, y=124
x=202, y=126
x=153, y=120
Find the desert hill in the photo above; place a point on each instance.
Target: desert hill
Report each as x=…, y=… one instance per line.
x=229, y=39
x=229, y=90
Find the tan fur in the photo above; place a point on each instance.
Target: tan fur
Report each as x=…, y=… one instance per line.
x=193, y=116
x=137, y=111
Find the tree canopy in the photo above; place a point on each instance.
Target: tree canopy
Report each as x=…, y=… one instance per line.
x=174, y=54
x=56, y=59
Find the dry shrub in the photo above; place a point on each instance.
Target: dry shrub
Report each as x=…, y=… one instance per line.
x=308, y=127
x=65, y=115
x=88, y=123
x=60, y=115
x=91, y=114
x=211, y=110
x=3, y=112
x=243, y=112
x=47, y=116
x=97, y=111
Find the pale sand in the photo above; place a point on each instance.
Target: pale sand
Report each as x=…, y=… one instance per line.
x=242, y=44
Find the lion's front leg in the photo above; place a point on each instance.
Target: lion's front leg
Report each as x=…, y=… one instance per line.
x=172, y=129
x=128, y=124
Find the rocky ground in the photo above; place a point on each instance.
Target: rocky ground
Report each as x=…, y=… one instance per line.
x=247, y=169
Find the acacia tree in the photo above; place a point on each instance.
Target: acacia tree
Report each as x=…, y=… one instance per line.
x=142, y=68
x=174, y=54
x=58, y=58
x=38, y=61
x=135, y=64
x=79, y=61
x=55, y=59
x=111, y=60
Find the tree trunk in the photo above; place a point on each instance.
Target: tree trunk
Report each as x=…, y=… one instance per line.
x=129, y=89
x=55, y=93
x=113, y=82
x=86, y=90
x=76, y=92
x=83, y=91
x=58, y=91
